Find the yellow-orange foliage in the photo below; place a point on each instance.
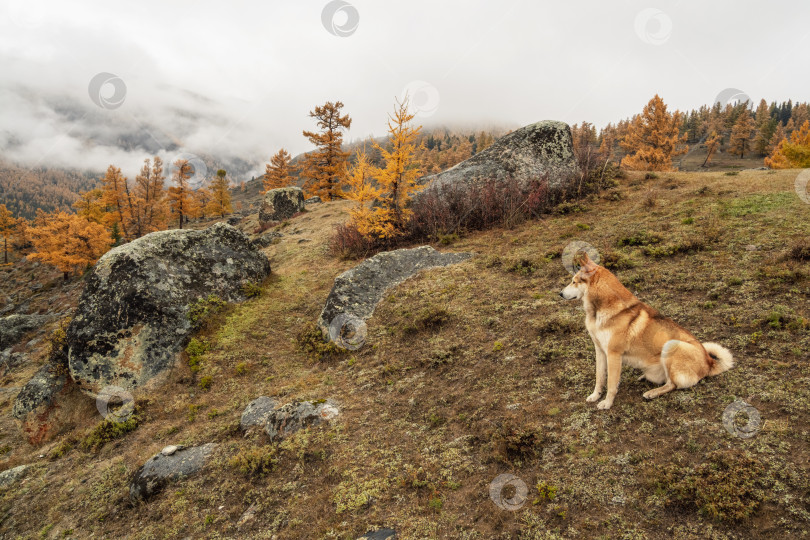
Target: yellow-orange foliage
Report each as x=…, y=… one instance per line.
x=8, y=226
x=278, y=173
x=397, y=178
x=68, y=242
x=653, y=139
x=712, y=145
x=361, y=188
x=181, y=196
x=792, y=153
x=117, y=200
x=149, y=199
x=741, y=140
x=91, y=206
x=325, y=167
x=220, y=195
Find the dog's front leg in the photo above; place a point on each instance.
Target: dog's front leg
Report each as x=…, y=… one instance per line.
x=601, y=372
x=614, y=372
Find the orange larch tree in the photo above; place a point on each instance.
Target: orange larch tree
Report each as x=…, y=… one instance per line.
x=325, y=167
x=278, y=173
x=150, y=192
x=397, y=178
x=220, y=195
x=362, y=189
x=741, y=138
x=68, y=242
x=653, y=138
x=181, y=196
x=117, y=200
x=8, y=227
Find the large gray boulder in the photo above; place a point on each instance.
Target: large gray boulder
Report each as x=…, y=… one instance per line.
x=291, y=417
x=257, y=412
x=357, y=291
x=530, y=153
x=132, y=319
x=14, y=327
x=170, y=464
x=280, y=204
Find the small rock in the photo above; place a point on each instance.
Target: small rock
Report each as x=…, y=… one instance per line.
x=289, y=418
x=249, y=514
x=380, y=534
x=233, y=220
x=302, y=240
x=313, y=200
x=153, y=476
x=266, y=239
x=14, y=327
x=257, y=412
x=513, y=406
x=171, y=449
x=12, y=476
x=751, y=247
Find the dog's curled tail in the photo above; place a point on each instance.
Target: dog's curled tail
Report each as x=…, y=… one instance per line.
x=723, y=359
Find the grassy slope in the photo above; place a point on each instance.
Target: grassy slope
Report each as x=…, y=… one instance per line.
x=476, y=370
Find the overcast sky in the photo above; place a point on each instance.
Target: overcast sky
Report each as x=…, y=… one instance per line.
x=238, y=78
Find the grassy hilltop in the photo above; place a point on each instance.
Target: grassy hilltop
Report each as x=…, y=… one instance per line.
x=472, y=371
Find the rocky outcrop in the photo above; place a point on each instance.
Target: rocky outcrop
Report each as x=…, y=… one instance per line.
x=132, y=319
x=357, y=291
x=14, y=327
x=530, y=153
x=170, y=464
x=257, y=412
x=280, y=204
x=291, y=417
x=9, y=477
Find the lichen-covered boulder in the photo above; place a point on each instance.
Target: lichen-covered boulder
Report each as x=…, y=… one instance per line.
x=170, y=464
x=14, y=327
x=357, y=291
x=380, y=534
x=132, y=319
x=257, y=412
x=291, y=417
x=280, y=204
x=533, y=152
x=10, y=477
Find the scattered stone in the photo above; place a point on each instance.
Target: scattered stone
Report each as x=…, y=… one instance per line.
x=153, y=476
x=233, y=220
x=132, y=319
x=257, y=412
x=14, y=327
x=751, y=247
x=380, y=534
x=302, y=240
x=280, y=204
x=289, y=418
x=357, y=291
x=530, y=153
x=513, y=407
x=40, y=391
x=12, y=476
x=313, y=200
x=171, y=449
x=249, y=515
x=266, y=239
x=10, y=360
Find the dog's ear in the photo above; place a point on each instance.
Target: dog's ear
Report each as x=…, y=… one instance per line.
x=584, y=262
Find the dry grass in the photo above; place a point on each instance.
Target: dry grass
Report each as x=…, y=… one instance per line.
x=479, y=369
